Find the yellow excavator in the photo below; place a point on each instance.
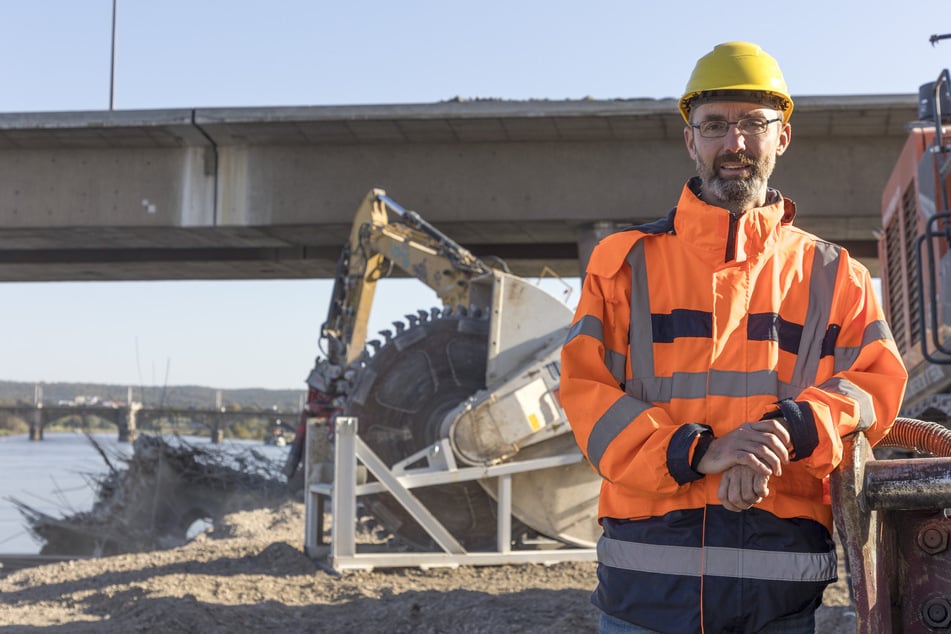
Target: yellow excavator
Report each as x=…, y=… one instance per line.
x=482, y=371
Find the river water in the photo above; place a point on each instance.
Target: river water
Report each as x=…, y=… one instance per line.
x=52, y=476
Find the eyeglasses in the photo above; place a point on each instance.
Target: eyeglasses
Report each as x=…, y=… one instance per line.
x=751, y=126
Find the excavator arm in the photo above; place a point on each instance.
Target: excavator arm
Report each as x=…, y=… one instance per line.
x=383, y=236
x=387, y=236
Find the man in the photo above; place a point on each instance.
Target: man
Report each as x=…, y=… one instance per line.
x=716, y=359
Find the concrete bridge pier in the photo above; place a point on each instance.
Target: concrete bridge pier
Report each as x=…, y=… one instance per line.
x=588, y=235
x=36, y=424
x=217, y=429
x=126, y=424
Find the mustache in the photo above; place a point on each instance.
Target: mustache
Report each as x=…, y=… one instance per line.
x=734, y=157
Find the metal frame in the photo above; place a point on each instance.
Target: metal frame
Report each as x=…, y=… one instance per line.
x=343, y=553
x=894, y=524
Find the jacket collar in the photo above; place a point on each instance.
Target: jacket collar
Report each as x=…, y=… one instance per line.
x=707, y=228
x=704, y=227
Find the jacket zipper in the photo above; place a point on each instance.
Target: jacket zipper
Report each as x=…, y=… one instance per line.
x=731, y=237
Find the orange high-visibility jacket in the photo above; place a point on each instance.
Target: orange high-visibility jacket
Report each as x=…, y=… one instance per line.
x=694, y=325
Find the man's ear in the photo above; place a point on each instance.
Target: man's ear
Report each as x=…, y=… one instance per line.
x=688, y=141
x=785, y=137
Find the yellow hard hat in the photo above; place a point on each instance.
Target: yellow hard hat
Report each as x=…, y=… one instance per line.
x=740, y=71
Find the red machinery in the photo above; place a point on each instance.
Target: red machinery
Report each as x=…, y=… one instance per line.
x=894, y=515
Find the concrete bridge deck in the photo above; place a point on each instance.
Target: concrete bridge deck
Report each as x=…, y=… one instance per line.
x=270, y=192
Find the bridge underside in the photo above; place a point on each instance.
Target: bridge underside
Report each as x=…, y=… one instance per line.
x=270, y=193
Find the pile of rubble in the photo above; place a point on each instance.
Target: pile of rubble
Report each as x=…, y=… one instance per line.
x=165, y=488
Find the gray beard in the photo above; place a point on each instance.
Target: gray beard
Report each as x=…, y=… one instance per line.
x=735, y=194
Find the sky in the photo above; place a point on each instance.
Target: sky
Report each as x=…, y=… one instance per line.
x=57, y=56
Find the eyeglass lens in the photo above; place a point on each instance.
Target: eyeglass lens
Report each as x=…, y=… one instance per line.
x=750, y=127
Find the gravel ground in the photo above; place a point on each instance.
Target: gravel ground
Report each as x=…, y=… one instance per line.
x=249, y=574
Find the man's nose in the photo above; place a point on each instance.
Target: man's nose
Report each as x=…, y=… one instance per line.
x=734, y=139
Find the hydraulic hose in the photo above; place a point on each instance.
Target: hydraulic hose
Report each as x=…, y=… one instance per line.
x=919, y=435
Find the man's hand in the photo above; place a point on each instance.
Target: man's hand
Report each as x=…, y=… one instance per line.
x=742, y=487
x=760, y=446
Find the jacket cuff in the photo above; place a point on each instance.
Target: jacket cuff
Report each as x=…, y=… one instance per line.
x=678, y=452
x=802, y=427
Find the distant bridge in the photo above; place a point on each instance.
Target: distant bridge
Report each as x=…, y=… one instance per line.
x=129, y=419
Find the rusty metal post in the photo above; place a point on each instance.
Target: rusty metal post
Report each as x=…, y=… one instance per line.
x=860, y=531
x=893, y=520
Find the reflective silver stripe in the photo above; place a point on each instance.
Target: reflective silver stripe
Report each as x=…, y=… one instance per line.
x=740, y=384
x=660, y=389
x=825, y=267
x=788, y=390
x=616, y=363
x=612, y=423
x=863, y=399
x=668, y=560
x=701, y=384
x=767, y=565
x=641, y=329
x=876, y=331
x=588, y=325
x=845, y=358
x=591, y=326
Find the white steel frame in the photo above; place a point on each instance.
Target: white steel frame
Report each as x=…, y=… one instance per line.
x=343, y=553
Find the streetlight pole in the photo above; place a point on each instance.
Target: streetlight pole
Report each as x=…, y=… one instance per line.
x=112, y=71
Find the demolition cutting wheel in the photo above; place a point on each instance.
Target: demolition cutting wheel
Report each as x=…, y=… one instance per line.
x=403, y=393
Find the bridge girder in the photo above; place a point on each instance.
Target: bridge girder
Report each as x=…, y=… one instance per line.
x=270, y=192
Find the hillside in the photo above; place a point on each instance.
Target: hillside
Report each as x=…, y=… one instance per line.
x=171, y=396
